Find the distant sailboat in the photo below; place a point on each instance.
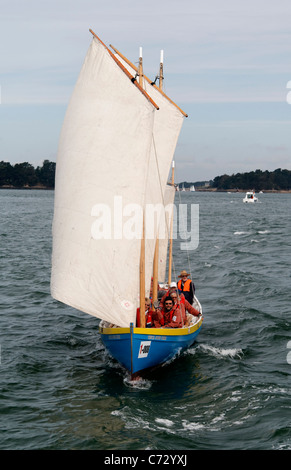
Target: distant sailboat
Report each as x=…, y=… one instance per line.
x=192, y=188
x=118, y=140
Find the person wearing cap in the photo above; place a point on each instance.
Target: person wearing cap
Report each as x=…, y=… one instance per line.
x=172, y=288
x=186, y=286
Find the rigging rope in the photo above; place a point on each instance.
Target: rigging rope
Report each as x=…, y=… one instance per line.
x=162, y=193
x=185, y=228
x=166, y=219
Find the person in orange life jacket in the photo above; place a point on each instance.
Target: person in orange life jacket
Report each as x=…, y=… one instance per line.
x=186, y=286
x=184, y=306
x=148, y=314
x=153, y=319
x=172, y=314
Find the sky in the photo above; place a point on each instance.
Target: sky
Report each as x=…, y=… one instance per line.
x=227, y=64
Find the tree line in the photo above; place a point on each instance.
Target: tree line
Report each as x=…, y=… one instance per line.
x=258, y=180
x=23, y=175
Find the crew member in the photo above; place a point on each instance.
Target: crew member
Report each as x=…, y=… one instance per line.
x=148, y=314
x=186, y=286
x=184, y=306
x=172, y=314
x=153, y=318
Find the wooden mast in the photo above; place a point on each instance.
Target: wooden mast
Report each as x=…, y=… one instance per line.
x=142, y=247
x=161, y=76
x=171, y=236
x=156, y=255
x=147, y=79
x=124, y=69
x=140, y=70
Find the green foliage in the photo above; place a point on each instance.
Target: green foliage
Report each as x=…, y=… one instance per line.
x=25, y=175
x=46, y=173
x=257, y=180
x=6, y=173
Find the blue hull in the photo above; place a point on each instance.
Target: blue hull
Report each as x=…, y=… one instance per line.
x=138, y=349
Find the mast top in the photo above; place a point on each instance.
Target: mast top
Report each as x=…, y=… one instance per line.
x=124, y=69
x=147, y=79
x=140, y=68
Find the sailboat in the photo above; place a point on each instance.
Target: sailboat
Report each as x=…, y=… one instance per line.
x=115, y=155
x=192, y=188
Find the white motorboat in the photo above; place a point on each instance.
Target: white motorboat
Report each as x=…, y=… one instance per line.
x=250, y=197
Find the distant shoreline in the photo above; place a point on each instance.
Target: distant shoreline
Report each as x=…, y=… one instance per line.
x=214, y=190
x=205, y=190
x=39, y=187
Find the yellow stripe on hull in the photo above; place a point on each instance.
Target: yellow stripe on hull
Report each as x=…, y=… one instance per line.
x=153, y=331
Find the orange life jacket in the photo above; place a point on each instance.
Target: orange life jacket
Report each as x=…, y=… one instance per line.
x=186, y=287
x=169, y=315
x=148, y=318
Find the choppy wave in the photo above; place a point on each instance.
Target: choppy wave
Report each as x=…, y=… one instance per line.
x=222, y=352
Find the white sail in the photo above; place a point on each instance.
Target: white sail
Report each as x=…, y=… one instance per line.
x=115, y=151
x=167, y=126
x=103, y=152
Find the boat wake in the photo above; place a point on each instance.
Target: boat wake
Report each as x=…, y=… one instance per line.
x=139, y=383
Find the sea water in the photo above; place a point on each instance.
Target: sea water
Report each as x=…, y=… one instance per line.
x=61, y=390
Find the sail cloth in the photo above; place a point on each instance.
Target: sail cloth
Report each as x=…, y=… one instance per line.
x=167, y=126
x=103, y=153
x=107, y=159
